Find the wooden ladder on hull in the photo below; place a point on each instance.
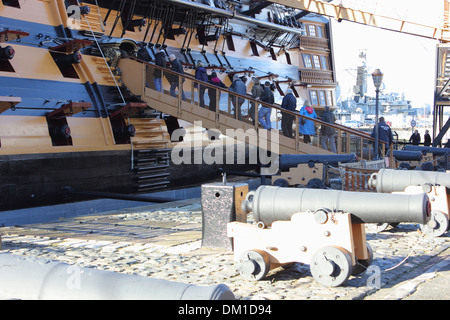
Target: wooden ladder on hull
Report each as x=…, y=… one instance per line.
x=94, y=19
x=150, y=133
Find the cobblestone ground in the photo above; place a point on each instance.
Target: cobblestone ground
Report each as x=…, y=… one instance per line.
x=165, y=242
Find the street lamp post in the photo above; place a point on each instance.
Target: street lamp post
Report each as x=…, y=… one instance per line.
x=377, y=77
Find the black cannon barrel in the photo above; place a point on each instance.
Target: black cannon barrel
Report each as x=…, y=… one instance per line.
x=390, y=180
x=269, y=204
x=435, y=151
x=403, y=155
x=292, y=160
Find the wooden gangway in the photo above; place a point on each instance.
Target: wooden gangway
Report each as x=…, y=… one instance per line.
x=137, y=77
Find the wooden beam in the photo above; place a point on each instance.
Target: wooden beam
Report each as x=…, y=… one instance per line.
x=342, y=13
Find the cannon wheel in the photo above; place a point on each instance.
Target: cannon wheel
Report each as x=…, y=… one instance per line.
x=283, y=183
x=331, y=266
x=377, y=227
x=362, y=265
x=437, y=225
x=253, y=264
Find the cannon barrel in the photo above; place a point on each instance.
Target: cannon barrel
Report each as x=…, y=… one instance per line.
x=269, y=204
x=32, y=278
x=390, y=180
x=288, y=161
x=434, y=150
x=403, y=155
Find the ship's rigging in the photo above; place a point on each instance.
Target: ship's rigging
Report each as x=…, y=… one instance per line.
x=280, y=29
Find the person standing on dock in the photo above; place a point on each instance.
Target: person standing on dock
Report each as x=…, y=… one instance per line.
x=427, y=139
x=415, y=138
x=384, y=134
x=265, y=112
x=289, y=102
x=157, y=73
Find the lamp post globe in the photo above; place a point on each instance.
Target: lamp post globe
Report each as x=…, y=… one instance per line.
x=377, y=77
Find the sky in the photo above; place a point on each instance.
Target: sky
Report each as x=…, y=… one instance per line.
x=408, y=62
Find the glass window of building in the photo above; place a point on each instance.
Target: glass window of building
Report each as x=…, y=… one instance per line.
x=307, y=60
x=330, y=98
x=316, y=62
x=320, y=33
x=324, y=62
x=313, y=97
x=312, y=30
x=322, y=99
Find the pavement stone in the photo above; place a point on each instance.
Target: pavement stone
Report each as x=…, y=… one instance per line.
x=123, y=244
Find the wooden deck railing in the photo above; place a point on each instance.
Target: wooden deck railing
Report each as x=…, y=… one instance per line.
x=348, y=140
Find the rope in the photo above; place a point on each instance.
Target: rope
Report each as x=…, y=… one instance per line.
x=412, y=250
x=117, y=85
x=104, y=58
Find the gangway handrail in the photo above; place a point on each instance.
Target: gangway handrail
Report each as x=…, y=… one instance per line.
x=340, y=128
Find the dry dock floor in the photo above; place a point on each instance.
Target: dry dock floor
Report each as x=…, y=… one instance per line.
x=164, y=241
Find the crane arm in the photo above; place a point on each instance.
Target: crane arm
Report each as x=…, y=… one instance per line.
x=342, y=13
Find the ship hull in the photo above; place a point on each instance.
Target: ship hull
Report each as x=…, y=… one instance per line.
x=66, y=111
x=39, y=179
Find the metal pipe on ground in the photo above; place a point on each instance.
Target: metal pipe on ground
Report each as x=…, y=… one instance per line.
x=32, y=278
x=270, y=204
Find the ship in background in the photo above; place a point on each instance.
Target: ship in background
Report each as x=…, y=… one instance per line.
x=358, y=110
x=68, y=119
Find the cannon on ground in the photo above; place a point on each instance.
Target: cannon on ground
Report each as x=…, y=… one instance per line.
x=438, y=157
x=33, y=278
x=324, y=228
x=425, y=150
x=435, y=184
x=307, y=169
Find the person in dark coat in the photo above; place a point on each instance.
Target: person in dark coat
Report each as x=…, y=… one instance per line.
x=200, y=74
x=257, y=91
x=160, y=60
x=265, y=112
x=427, y=139
x=447, y=144
x=415, y=138
x=174, y=79
x=238, y=86
x=328, y=134
x=215, y=80
x=384, y=133
x=289, y=102
x=143, y=53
